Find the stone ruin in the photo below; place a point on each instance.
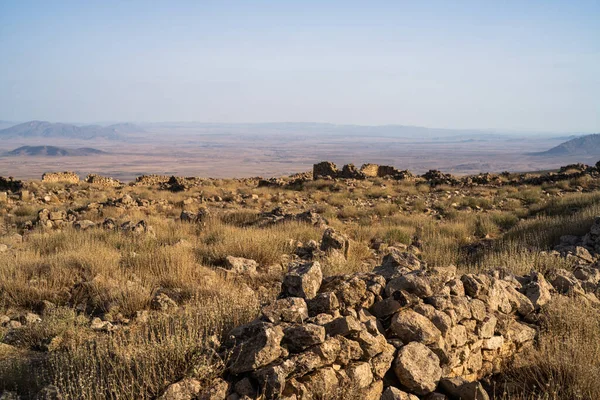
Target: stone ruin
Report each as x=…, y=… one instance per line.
x=384, y=171
x=402, y=331
x=435, y=177
x=328, y=170
x=151, y=180
x=102, y=181
x=179, y=183
x=65, y=177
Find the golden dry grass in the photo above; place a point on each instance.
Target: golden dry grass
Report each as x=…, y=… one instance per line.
x=114, y=274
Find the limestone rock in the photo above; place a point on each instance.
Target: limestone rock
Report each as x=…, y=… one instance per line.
x=302, y=280
x=417, y=368
x=299, y=337
x=289, y=309
x=461, y=389
x=258, y=350
x=411, y=326
x=185, y=389
x=240, y=265
x=333, y=240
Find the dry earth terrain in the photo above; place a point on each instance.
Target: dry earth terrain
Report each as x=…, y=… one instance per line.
x=370, y=283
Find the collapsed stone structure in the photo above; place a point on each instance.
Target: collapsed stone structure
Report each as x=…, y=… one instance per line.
x=328, y=170
x=435, y=177
x=151, y=180
x=383, y=171
x=401, y=330
x=66, y=177
x=102, y=181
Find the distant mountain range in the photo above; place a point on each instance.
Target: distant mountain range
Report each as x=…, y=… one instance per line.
x=588, y=145
x=46, y=129
x=53, y=151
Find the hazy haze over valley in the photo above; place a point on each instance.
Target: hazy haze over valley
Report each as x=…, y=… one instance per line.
x=274, y=149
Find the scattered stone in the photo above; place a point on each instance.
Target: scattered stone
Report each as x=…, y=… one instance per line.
x=185, y=389
x=240, y=265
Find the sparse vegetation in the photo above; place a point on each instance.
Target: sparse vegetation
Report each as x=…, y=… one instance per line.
x=69, y=277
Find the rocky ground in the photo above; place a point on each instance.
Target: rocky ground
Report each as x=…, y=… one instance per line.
x=365, y=283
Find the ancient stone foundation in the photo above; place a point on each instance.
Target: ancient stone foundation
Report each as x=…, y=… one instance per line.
x=65, y=177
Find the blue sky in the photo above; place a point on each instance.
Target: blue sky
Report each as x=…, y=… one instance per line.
x=517, y=65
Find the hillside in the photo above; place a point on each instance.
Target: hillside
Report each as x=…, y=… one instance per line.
x=60, y=130
x=581, y=146
x=345, y=283
x=53, y=151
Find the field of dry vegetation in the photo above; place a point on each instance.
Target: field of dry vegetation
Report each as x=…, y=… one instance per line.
x=122, y=313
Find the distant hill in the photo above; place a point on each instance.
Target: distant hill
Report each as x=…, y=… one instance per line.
x=588, y=145
x=53, y=151
x=59, y=130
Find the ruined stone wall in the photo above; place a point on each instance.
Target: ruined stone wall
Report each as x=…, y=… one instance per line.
x=420, y=330
x=102, y=181
x=67, y=177
x=151, y=180
x=371, y=170
x=325, y=170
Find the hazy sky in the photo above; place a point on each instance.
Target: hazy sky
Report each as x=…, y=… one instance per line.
x=532, y=65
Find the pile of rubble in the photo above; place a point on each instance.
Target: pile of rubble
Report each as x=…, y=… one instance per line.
x=403, y=331
x=435, y=177
x=586, y=248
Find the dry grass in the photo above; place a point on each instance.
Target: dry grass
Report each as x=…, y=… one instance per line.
x=114, y=275
x=565, y=364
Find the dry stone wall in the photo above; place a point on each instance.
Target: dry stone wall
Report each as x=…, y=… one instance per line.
x=66, y=177
x=401, y=330
x=102, y=181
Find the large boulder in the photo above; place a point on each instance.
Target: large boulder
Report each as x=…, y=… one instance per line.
x=417, y=368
